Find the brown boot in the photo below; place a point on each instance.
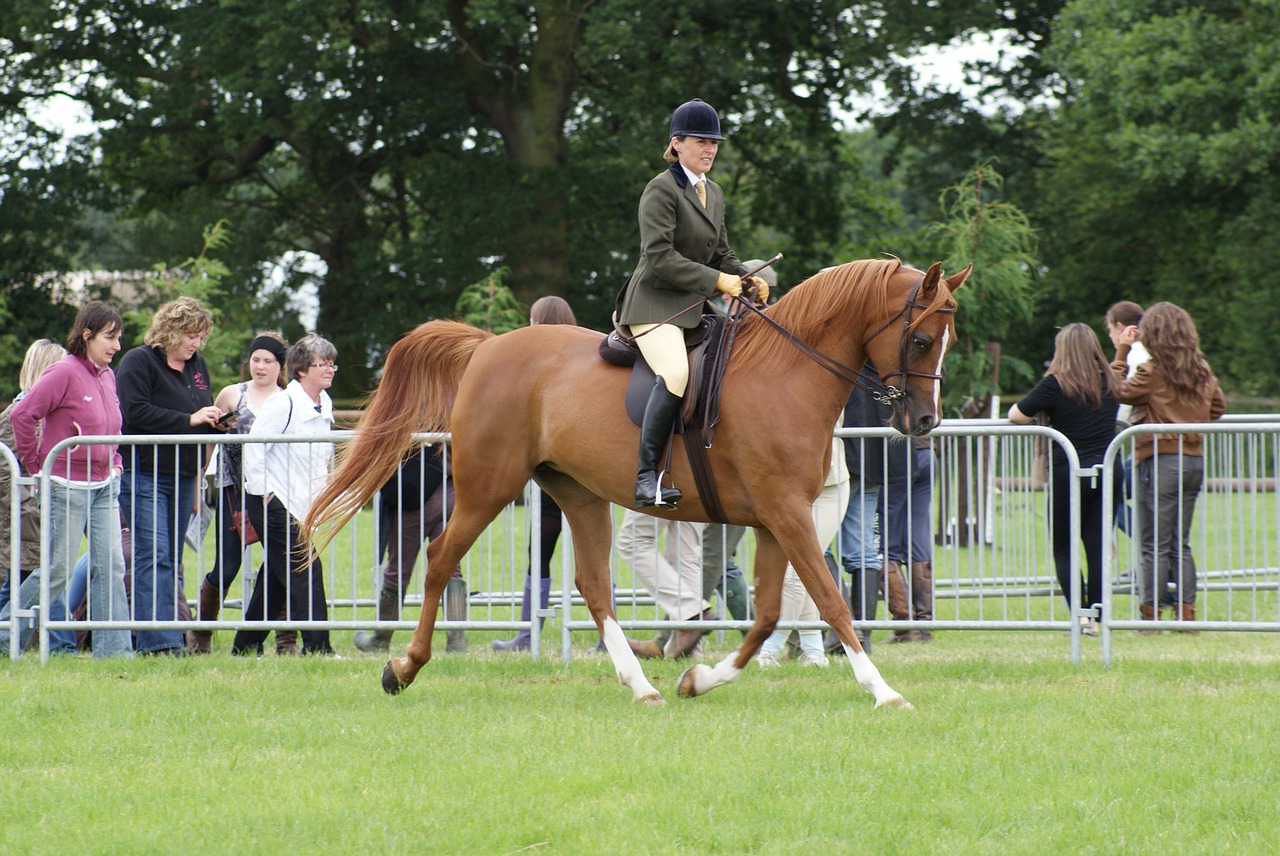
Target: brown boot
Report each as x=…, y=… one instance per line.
x=286, y=640
x=683, y=642
x=207, y=609
x=895, y=592
x=455, y=609
x=1187, y=612
x=1148, y=614
x=647, y=650
x=922, y=596
x=388, y=610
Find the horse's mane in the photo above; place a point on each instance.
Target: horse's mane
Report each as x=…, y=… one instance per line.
x=855, y=290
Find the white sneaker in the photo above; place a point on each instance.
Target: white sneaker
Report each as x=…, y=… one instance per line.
x=765, y=660
x=818, y=660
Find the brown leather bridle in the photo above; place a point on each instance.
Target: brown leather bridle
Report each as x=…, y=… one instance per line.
x=880, y=390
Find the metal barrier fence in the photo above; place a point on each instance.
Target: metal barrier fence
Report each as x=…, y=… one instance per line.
x=1231, y=559
x=992, y=554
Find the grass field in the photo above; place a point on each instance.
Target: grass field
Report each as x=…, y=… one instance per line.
x=1010, y=750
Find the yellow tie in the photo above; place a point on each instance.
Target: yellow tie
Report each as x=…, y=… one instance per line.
x=702, y=192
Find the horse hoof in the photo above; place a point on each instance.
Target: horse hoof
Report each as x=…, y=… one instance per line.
x=653, y=699
x=390, y=683
x=687, y=685
x=896, y=701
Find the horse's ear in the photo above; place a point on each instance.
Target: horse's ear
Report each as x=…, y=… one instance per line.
x=930, y=283
x=956, y=280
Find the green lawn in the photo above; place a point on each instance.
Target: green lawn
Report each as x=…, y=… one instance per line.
x=1010, y=750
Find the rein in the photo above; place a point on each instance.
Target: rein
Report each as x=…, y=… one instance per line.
x=882, y=392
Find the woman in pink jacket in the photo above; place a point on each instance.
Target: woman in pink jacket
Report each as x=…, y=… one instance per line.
x=76, y=396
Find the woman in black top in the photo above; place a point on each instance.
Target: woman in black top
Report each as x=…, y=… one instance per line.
x=1076, y=394
x=164, y=389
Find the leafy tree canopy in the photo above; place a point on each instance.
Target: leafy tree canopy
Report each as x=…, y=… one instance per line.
x=1163, y=172
x=415, y=147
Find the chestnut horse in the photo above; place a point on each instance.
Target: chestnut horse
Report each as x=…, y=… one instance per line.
x=540, y=403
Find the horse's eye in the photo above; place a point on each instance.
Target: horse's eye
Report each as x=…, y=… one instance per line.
x=922, y=343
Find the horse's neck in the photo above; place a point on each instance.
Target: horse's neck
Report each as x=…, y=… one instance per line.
x=804, y=382
x=840, y=342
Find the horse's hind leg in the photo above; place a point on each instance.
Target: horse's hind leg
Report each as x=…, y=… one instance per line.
x=443, y=555
x=592, y=527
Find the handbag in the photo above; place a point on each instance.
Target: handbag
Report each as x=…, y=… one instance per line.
x=243, y=526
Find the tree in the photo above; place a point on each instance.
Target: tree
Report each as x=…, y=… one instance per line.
x=998, y=240
x=490, y=305
x=38, y=205
x=1164, y=167
x=414, y=147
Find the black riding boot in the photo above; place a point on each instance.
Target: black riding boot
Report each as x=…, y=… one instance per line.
x=864, y=597
x=659, y=414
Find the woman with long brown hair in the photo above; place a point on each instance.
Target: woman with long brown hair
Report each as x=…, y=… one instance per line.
x=1175, y=386
x=1077, y=394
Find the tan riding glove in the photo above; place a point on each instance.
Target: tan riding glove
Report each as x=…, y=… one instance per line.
x=729, y=284
x=762, y=289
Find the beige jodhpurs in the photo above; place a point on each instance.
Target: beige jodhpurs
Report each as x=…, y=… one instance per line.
x=664, y=351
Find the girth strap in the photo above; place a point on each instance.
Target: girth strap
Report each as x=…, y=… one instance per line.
x=700, y=464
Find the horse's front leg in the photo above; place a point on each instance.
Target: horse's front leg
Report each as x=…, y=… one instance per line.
x=770, y=566
x=807, y=559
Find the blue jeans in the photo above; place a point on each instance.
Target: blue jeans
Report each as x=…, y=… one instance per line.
x=156, y=508
x=78, y=585
x=858, y=529
x=907, y=525
x=60, y=641
x=73, y=511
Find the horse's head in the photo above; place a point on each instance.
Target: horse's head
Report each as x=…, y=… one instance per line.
x=909, y=347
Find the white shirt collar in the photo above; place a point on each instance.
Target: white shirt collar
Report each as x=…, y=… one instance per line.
x=303, y=401
x=692, y=177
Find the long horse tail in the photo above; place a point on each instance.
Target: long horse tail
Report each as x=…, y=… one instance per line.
x=419, y=383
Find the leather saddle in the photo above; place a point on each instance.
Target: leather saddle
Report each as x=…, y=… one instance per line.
x=619, y=348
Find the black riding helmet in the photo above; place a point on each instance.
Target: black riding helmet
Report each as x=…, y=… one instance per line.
x=696, y=118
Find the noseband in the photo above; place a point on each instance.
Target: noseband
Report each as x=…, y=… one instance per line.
x=882, y=392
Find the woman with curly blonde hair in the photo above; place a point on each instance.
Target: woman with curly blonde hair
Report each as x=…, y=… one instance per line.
x=164, y=389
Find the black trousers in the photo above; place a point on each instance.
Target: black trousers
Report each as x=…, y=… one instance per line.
x=1092, y=518
x=289, y=577
x=230, y=549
